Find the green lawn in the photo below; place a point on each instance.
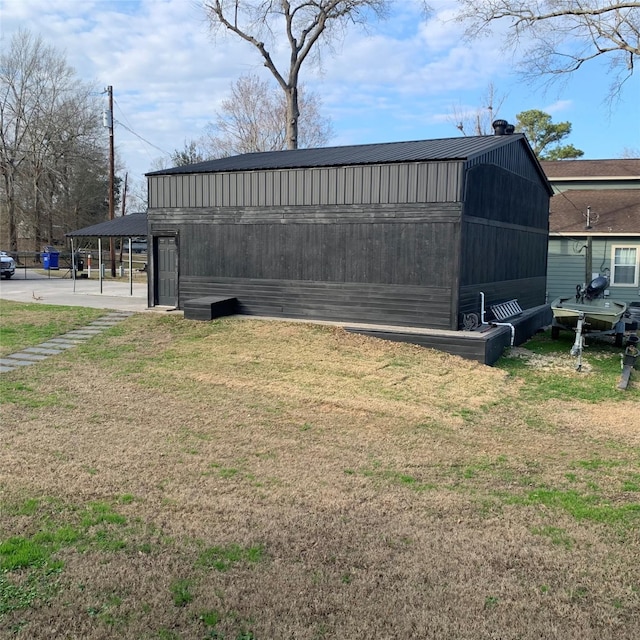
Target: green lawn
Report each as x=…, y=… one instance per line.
x=246, y=479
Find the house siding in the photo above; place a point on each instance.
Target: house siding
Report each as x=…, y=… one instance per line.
x=567, y=265
x=599, y=199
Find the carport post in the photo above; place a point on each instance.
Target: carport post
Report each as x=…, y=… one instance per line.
x=73, y=266
x=100, y=262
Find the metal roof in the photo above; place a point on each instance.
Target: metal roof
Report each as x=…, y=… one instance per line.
x=460, y=148
x=133, y=225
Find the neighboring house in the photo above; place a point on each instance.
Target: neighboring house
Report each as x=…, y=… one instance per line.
x=409, y=235
x=594, y=226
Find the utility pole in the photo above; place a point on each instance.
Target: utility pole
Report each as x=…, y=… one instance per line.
x=588, y=273
x=588, y=262
x=109, y=125
x=124, y=203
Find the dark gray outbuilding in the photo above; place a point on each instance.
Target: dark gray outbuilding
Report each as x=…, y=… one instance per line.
x=405, y=236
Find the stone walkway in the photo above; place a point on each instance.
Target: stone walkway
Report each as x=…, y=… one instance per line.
x=54, y=346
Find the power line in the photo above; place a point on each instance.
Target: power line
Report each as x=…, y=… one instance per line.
x=566, y=197
x=124, y=126
x=137, y=135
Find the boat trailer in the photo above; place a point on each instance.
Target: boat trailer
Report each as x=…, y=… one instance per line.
x=578, y=345
x=629, y=358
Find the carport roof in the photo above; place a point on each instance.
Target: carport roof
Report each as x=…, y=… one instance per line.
x=135, y=224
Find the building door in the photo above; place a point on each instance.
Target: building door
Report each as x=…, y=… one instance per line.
x=167, y=270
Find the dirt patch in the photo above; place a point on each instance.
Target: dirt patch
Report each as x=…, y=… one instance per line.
x=618, y=421
x=557, y=362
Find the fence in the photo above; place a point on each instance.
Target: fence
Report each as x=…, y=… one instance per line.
x=86, y=263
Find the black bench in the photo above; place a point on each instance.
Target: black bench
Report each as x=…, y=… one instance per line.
x=209, y=307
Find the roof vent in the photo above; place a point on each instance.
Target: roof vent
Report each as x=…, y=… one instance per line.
x=502, y=128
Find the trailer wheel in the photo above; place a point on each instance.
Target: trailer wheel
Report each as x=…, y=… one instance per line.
x=555, y=333
x=618, y=339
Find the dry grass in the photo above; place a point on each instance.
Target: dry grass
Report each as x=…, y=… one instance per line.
x=25, y=325
x=387, y=491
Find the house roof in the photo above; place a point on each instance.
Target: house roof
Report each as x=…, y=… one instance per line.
x=460, y=148
x=130, y=226
x=611, y=211
x=620, y=167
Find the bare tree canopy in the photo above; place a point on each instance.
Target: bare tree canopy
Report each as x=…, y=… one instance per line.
x=478, y=122
x=52, y=163
x=253, y=118
x=560, y=36
x=306, y=24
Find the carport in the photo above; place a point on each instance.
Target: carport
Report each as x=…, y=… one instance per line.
x=125, y=227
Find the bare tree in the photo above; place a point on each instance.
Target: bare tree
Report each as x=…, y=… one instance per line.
x=479, y=122
x=49, y=130
x=19, y=70
x=254, y=118
x=48, y=125
x=564, y=34
x=307, y=24
x=630, y=152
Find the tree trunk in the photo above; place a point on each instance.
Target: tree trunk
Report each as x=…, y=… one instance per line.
x=37, y=215
x=12, y=231
x=293, y=114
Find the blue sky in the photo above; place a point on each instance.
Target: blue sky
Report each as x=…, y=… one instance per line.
x=402, y=80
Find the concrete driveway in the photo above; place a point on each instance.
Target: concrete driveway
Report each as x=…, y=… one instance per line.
x=33, y=286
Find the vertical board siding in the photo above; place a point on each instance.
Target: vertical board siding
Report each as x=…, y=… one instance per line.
x=370, y=184
x=179, y=191
x=498, y=253
x=495, y=194
x=165, y=192
x=514, y=159
x=504, y=242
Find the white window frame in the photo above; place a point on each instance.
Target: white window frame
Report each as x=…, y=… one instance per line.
x=636, y=248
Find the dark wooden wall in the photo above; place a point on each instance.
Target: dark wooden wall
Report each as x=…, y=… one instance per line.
x=504, y=241
x=389, y=265
x=396, y=305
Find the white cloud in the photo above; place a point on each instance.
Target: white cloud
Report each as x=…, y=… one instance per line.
x=399, y=81
x=558, y=107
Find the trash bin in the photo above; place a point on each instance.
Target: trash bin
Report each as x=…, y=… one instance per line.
x=50, y=258
x=79, y=261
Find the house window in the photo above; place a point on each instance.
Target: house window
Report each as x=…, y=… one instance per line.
x=625, y=266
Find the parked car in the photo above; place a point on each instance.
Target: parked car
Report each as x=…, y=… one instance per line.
x=7, y=265
x=138, y=245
